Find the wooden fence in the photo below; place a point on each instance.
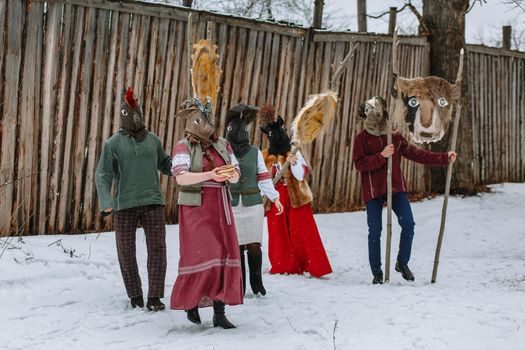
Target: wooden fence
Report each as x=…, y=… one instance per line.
x=65, y=63
x=497, y=95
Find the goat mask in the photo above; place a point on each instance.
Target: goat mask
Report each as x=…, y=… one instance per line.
x=199, y=125
x=374, y=114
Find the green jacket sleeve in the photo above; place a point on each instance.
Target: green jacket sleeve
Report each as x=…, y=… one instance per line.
x=104, y=177
x=163, y=160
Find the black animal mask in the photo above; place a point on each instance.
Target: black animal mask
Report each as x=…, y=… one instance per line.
x=278, y=137
x=236, y=131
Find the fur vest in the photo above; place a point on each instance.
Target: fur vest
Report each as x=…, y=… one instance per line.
x=299, y=191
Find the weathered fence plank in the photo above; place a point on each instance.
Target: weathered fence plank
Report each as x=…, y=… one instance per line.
x=93, y=145
x=13, y=57
x=83, y=118
x=61, y=117
x=49, y=80
x=66, y=186
x=29, y=118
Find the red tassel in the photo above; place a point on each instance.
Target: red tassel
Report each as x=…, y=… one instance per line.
x=130, y=98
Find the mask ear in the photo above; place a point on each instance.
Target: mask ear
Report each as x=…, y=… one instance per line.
x=265, y=129
x=455, y=93
x=187, y=113
x=361, y=111
x=382, y=101
x=280, y=121
x=404, y=86
x=249, y=119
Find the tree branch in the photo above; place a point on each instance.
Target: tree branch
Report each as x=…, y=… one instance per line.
x=387, y=12
x=423, y=27
x=481, y=2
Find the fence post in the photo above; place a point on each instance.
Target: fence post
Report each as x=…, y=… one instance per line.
x=318, y=13
x=507, y=32
x=392, y=20
x=361, y=15
x=210, y=31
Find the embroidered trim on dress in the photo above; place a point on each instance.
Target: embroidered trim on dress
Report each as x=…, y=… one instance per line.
x=186, y=270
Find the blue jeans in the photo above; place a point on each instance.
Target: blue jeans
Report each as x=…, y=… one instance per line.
x=374, y=210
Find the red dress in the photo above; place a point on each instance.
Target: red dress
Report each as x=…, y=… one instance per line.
x=294, y=244
x=209, y=264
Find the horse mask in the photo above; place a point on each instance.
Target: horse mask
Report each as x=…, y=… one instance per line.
x=131, y=117
x=274, y=129
x=426, y=106
x=236, y=131
x=200, y=126
x=375, y=116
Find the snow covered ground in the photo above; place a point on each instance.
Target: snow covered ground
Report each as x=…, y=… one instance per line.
x=50, y=300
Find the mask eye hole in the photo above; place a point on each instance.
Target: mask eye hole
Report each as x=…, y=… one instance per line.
x=124, y=113
x=442, y=102
x=229, y=128
x=246, y=128
x=197, y=121
x=413, y=102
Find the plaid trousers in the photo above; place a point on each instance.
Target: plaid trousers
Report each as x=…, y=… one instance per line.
x=152, y=219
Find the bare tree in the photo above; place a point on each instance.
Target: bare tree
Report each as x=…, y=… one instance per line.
x=520, y=4
x=445, y=20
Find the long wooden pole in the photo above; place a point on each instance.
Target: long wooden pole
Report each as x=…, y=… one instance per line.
x=389, y=172
x=190, y=49
x=449, y=173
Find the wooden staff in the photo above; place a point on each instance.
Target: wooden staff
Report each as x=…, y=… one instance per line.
x=389, y=171
x=190, y=49
x=449, y=172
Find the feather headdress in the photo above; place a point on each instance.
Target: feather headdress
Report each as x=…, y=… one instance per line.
x=130, y=98
x=266, y=114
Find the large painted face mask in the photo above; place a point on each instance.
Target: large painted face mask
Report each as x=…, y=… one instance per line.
x=374, y=114
x=426, y=106
x=238, y=118
x=199, y=122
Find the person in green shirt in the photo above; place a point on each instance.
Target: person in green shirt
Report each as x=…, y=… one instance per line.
x=128, y=185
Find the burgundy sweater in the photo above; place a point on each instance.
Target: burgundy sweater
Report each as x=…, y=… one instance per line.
x=373, y=166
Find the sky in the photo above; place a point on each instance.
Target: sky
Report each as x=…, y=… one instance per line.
x=483, y=22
